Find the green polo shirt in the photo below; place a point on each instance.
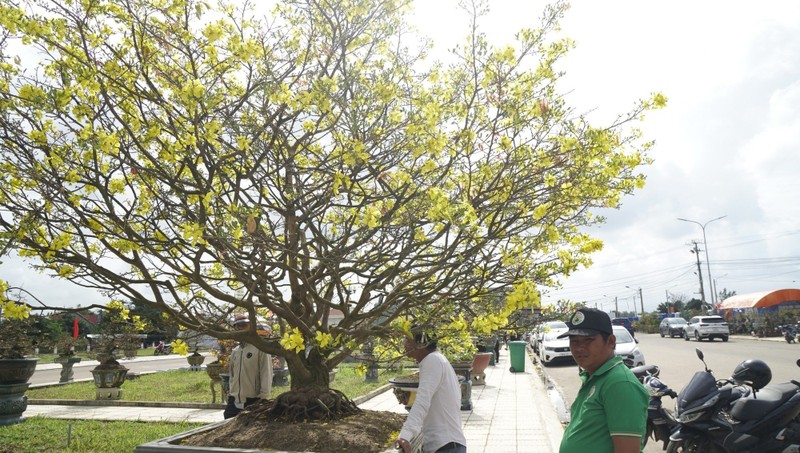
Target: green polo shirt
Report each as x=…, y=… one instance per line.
x=611, y=402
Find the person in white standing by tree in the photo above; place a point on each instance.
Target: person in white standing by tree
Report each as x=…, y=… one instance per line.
x=250, y=372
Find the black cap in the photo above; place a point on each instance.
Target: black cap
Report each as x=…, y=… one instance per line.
x=587, y=322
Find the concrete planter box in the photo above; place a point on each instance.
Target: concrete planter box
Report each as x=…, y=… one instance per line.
x=171, y=444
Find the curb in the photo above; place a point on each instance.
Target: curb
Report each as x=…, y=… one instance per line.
x=120, y=403
x=554, y=393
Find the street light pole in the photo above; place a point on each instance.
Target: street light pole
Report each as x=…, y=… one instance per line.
x=641, y=299
x=708, y=263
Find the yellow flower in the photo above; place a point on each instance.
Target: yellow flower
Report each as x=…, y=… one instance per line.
x=323, y=339
x=180, y=347
x=361, y=370
x=293, y=339
x=12, y=310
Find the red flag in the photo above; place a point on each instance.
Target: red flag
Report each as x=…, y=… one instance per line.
x=75, y=328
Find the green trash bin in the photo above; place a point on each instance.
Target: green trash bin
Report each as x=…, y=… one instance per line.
x=516, y=352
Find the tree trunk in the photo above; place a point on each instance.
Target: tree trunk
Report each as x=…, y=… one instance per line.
x=310, y=397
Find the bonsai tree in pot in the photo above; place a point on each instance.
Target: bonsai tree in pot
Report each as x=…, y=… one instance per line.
x=117, y=332
x=17, y=339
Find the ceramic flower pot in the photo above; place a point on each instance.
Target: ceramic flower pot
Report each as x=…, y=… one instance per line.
x=479, y=364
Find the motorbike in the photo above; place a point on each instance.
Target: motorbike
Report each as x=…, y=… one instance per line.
x=789, y=333
x=660, y=420
x=163, y=349
x=738, y=414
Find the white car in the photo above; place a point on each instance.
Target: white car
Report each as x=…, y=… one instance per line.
x=552, y=348
x=710, y=327
x=541, y=329
x=628, y=347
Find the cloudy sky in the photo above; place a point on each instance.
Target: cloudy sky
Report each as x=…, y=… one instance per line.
x=728, y=144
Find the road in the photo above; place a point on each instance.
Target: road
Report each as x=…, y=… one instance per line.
x=48, y=373
x=678, y=362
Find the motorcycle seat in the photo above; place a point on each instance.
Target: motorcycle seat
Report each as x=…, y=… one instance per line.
x=644, y=370
x=757, y=406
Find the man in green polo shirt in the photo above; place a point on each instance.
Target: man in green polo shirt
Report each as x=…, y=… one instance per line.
x=610, y=412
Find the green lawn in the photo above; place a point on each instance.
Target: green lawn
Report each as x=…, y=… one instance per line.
x=39, y=434
x=194, y=386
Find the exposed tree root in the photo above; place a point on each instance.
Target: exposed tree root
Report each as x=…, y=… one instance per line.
x=307, y=406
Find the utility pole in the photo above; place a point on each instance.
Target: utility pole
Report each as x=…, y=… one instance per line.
x=616, y=307
x=696, y=252
x=641, y=300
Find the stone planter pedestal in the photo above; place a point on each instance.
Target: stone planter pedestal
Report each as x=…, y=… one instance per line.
x=464, y=368
x=108, y=383
x=214, y=371
x=14, y=375
x=66, y=368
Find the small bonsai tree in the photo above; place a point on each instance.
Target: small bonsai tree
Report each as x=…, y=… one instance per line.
x=117, y=332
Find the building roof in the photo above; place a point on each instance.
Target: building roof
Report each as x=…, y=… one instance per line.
x=761, y=299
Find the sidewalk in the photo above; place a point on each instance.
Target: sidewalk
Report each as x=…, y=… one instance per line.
x=511, y=413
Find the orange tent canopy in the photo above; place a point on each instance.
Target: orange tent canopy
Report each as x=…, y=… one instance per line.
x=762, y=299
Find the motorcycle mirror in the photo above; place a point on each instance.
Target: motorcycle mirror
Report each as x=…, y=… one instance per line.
x=700, y=356
x=798, y=362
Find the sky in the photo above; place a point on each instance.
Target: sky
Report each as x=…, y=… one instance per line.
x=727, y=144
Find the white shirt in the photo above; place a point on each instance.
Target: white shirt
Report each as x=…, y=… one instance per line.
x=250, y=373
x=436, y=411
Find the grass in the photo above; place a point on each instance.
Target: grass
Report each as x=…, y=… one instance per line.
x=39, y=434
x=194, y=386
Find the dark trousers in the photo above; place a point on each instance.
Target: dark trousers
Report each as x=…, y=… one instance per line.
x=452, y=447
x=232, y=411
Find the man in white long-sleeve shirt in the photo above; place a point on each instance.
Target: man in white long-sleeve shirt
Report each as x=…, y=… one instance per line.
x=436, y=411
x=250, y=372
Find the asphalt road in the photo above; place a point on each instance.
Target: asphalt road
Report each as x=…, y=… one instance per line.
x=678, y=361
x=50, y=373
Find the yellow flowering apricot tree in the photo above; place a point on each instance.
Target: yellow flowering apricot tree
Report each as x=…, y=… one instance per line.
x=203, y=162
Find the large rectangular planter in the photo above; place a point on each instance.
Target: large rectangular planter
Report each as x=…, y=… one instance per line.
x=171, y=444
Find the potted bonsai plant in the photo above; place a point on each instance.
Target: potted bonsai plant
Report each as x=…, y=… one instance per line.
x=17, y=339
x=118, y=330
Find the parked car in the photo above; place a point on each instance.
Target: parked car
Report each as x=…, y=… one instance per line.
x=541, y=329
x=552, y=348
x=672, y=327
x=624, y=322
x=628, y=347
x=710, y=327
